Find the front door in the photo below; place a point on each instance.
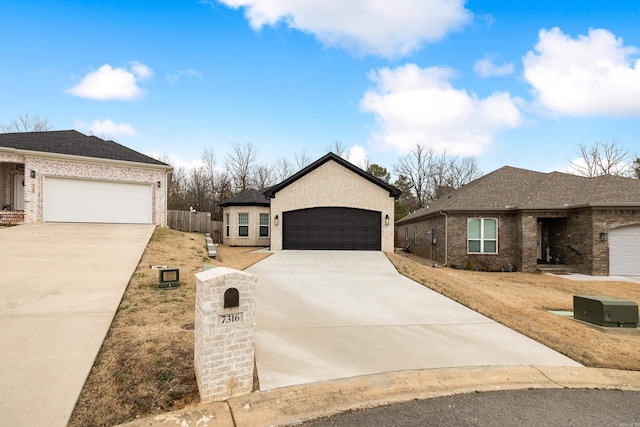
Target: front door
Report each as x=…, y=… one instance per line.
x=18, y=193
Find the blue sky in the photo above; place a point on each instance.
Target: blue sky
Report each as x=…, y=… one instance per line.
x=518, y=83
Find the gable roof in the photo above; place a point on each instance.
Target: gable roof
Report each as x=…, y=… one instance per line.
x=248, y=198
x=393, y=192
x=510, y=188
x=73, y=143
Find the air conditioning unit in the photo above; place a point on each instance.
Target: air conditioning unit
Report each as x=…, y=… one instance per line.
x=606, y=311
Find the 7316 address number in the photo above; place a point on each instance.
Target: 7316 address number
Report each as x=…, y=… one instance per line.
x=230, y=318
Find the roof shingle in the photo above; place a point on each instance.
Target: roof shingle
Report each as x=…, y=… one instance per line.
x=74, y=143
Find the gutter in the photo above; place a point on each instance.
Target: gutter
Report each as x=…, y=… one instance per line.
x=446, y=237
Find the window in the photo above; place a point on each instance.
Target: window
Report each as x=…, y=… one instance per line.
x=243, y=224
x=482, y=236
x=406, y=233
x=415, y=234
x=264, y=225
x=228, y=226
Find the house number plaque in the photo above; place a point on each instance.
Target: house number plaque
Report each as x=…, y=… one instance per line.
x=230, y=318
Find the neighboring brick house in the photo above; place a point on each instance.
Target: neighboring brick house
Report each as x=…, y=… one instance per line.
x=330, y=204
x=526, y=218
x=66, y=176
x=246, y=220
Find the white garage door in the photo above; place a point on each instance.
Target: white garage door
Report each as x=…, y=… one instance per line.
x=624, y=251
x=78, y=200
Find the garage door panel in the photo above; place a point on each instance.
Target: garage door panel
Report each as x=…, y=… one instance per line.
x=332, y=228
x=624, y=251
x=78, y=200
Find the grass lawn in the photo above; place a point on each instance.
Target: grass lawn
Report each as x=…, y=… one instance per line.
x=145, y=365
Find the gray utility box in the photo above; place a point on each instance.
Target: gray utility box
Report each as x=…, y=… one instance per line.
x=606, y=311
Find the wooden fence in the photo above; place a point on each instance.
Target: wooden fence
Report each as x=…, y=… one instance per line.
x=196, y=222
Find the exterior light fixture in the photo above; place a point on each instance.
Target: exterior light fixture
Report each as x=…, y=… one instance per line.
x=276, y=220
x=386, y=219
x=32, y=174
x=603, y=237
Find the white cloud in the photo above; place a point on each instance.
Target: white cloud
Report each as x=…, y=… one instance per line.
x=486, y=67
x=107, y=128
x=385, y=28
x=113, y=83
x=175, y=161
x=173, y=78
x=357, y=155
x=586, y=76
x=418, y=105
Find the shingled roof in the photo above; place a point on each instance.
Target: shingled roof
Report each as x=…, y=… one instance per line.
x=510, y=188
x=73, y=143
x=248, y=198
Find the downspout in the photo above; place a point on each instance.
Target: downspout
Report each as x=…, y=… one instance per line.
x=446, y=237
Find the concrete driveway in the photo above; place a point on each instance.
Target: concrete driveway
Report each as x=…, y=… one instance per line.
x=324, y=315
x=60, y=286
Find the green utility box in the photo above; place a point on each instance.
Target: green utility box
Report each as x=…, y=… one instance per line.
x=606, y=311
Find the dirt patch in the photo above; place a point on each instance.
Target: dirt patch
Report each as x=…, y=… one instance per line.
x=521, y=301
x=145, y=365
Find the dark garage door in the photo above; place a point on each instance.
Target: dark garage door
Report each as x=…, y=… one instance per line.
x=332, y=228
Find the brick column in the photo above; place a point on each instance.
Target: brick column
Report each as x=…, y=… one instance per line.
x=224, y=336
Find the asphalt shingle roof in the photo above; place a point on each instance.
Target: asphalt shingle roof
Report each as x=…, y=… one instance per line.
x=73, y=143
x=248, y=198
x=511, y=188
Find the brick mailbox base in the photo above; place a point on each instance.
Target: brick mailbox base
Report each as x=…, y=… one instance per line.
x=224, y=333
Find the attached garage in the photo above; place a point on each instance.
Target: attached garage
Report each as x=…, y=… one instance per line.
x=335, y=228
x=624, y=251
x=80, y=200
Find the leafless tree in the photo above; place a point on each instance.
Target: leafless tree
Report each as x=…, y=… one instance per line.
x=263, y=177
x=240, y=165
x=430, y=175
x=26, y=123
x=302, y=159
x=283, y=169
x=415, y=168
x=603, y=158
x=338, y=148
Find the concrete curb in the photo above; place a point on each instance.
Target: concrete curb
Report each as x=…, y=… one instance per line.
x=296, y=404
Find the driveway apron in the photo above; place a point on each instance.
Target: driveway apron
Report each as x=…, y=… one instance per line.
x=324, y=315
x=60, y=286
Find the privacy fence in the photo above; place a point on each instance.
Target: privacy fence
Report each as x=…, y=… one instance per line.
x=195, y=222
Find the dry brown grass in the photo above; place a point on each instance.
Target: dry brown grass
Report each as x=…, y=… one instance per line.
x=145, y=365
x=520, y=301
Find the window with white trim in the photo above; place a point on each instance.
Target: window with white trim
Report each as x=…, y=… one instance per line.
x=415, y=234
x=243, y=224
x=406, y=233
x=228, y=226
x=264, y=225
x=482, y=235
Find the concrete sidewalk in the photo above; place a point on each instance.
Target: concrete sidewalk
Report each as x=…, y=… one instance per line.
x=324, y=315
x=296, y=404
x=60, y=286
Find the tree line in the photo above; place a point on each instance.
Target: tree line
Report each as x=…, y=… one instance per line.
x=422, y=174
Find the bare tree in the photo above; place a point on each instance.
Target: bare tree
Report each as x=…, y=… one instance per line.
x=603, y=158
x=302, y=159
x=338, y=148
x=283, y=169
x=26, y=123
x=415, y=168
x=429, y=175
x=636, y=168
x=263, y=177
x=240, y=165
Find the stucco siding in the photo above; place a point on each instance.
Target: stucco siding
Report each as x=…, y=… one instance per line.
x=332, y=185
x=253, y=239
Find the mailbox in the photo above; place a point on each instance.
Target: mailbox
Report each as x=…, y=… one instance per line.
x=606, y=311
x=231, y=298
